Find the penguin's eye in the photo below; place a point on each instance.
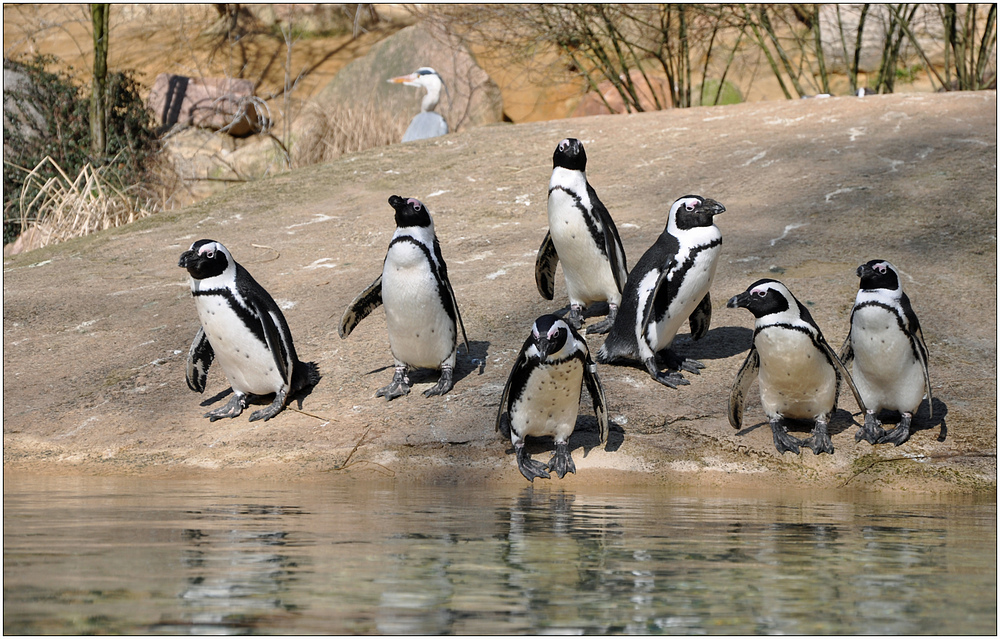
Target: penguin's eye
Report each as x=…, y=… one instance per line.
x=416, y=206
x=880, y=268
x=690, y=205
x=759, y=292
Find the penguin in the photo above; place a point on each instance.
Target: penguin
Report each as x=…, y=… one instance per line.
x=888, y=352
x=668, y=285
x=421, y=313
x=243, y=328
x=798, y=373
x=582, y=234
x=542, y=395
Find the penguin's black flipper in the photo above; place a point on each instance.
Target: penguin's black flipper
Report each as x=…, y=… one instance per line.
x=846, y=354
x=199, y=360
x=545, y=268
x=596, y=390
x=744, y=379
x=362, y=306
x=612, y=242
x=282, y=352
x=842, y=373
x=519, y=363
x=701, y=317
x=917, y=337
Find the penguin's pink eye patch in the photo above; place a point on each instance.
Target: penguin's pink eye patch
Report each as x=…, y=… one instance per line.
x=553, y=331
x=760, y=291
x=415, y=204
x=691, y=205
x=208, y=251
x=880, y=268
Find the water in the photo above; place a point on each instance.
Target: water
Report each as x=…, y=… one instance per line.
x=100, y=555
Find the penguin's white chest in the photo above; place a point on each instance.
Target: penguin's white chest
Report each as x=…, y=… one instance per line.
x=691, y=286
x=586, y=268
x=885, y=370
x=248, y=364
x=795, y=378
x=421, y=333
x=550, y=402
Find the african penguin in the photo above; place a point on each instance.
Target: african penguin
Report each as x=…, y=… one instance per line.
x=668, y=286
x=582, y=235
x=421, y=313
x=242, y=328
x=887, y=347
x=798, y=372
x=542, y=395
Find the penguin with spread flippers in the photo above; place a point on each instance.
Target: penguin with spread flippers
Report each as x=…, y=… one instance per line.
x=421, y=313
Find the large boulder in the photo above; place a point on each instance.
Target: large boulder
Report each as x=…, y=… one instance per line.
x=471, y=99
x=213, y=103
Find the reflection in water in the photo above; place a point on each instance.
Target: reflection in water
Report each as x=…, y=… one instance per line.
x=356, y=559
x=238, y=570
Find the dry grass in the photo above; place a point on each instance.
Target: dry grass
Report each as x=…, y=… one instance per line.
x=328, y=133
x=64, y=208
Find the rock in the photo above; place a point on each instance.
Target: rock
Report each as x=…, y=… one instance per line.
x=204, y=102
x=471, y=98
x=592, y=104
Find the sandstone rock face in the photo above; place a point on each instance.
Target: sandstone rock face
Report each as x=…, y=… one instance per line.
x=592, y=104
x=470, y=99
x=204, y=102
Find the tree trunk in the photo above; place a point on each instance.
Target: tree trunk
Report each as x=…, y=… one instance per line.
x=99, y=94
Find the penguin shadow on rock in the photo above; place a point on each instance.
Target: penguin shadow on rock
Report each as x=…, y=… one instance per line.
x=923, y=419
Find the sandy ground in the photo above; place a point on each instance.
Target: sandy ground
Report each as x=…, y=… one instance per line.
x=96, y=331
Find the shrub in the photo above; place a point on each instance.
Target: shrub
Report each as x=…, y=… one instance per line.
x=47, y=116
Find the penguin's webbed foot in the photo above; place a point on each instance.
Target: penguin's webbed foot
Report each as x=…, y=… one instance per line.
x=675, y=362
x=561, y=461
x=604, y=325
x=444, y=384
x=529, y=467
x=783, y=442
x=267, y=413
x=233, y=409
x=898, y=435
x=671, y=379
x=575, y=317
x=872, y=431
x=819, y=441
x=400, y=386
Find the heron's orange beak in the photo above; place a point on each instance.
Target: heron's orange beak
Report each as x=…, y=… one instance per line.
x=403, y=79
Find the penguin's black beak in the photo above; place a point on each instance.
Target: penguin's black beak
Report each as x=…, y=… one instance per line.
x=544, y=346
x=712, y=207
x=864, y=270
x=739, y=301
x=187, y=259
x=396, y=202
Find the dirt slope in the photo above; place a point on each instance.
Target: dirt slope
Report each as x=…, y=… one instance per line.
x=96, y=331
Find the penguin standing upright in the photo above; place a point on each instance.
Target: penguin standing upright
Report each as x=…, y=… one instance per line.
x=243, y=328
x=887, y=347
x=421, y=313
x=582, y=235
x=668, y=285
x=542, y=395
x=798, y=373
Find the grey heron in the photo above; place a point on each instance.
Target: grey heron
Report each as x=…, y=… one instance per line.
x=427, y=123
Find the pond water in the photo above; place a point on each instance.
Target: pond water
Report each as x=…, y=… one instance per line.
x=114, y=555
